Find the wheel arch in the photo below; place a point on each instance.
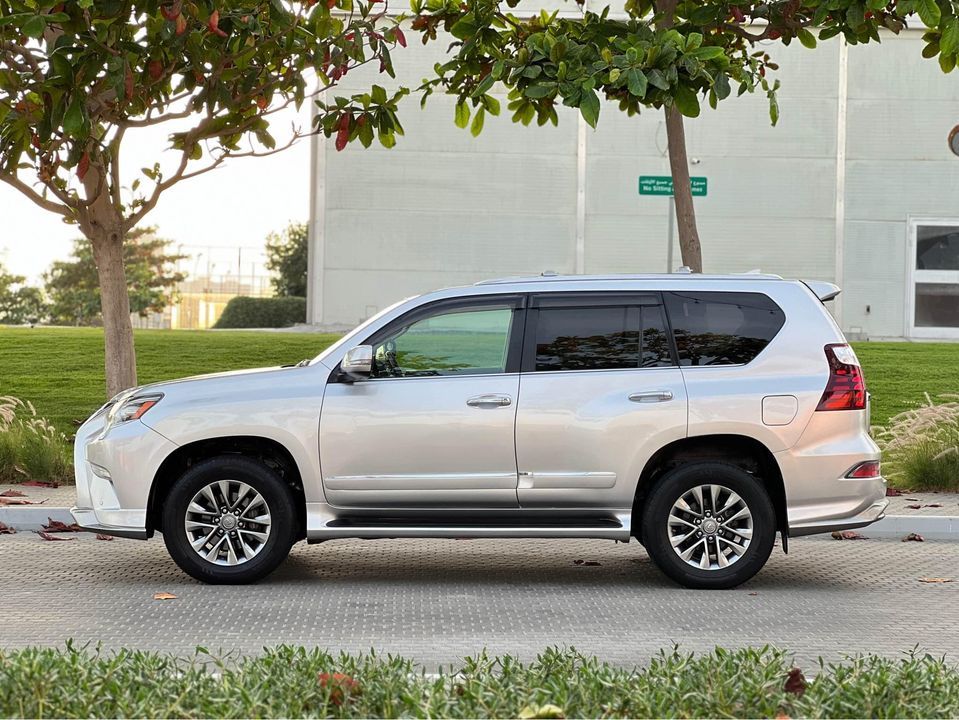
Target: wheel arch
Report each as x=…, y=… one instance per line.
x=740, y=450
x=266, y=450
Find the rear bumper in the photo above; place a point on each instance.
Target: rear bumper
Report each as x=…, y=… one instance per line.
x=876, y=511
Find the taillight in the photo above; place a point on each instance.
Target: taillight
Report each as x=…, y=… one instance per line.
x=868, y=469
x=846, y=389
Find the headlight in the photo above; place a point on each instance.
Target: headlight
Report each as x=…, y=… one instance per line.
x=131, y=409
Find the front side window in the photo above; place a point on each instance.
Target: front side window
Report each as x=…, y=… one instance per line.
x=601, y=338
x=722, y=328
x=464, y=341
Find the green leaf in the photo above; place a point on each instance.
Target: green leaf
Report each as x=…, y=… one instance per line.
x=693, y=41
x=947, y=62
x=378, y=95
x=929, y=12
x=387, y=140
x=950, y=38
x=710, y=52
x=485, y=84
x=366, y=134
x=73, y=119
x=657, y=79
x=686, y=101
x=589, y=107
x=477, y=127
x=636, y=82
x=491, y=104
x=806, y=38
x=35, y=26
x=829, y=32
x=721, y=86
x=539, y=91
x=462, y=115
x=464, y=27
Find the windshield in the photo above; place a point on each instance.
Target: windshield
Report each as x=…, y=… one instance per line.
x=359, y=330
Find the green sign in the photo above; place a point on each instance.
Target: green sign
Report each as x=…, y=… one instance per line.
x=663, y=185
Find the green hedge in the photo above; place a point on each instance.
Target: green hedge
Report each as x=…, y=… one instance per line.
x=251, y=312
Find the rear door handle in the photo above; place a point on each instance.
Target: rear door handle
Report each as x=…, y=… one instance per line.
x=652, y=396
x=489, y=401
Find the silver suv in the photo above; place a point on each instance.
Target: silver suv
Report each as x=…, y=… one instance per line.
x=697, y=414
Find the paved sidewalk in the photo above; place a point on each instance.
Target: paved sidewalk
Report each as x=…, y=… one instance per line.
x=62, y=497
x=437, y=600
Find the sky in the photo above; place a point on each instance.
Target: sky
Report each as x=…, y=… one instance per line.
x=236, y=205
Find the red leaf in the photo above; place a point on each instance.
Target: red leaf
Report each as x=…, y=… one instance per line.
x=343, y=133
x=12, y=493
x=400, y=37
x=48, y=536
x=933, y=505
x=894, y=492
x=42, y=483
x=55, y=526
x=213, y=24
x=847, y=535
x=180, y=25
x=331, y=4
x=914, y=507
x=155, y=69
x=795, y=682
x=171, y=11
x=914, y=537
x=6, y=529
x=104, y=537
x=340, y=685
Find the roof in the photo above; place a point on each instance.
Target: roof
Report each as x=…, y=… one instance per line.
x=547, y=277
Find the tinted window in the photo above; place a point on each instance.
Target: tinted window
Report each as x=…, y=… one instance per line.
x=601, y=338
x=718, y=328
x=465, y=341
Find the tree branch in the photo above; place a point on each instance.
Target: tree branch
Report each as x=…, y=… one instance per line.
x=15, y=182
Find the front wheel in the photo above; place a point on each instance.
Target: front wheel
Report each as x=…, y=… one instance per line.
x=709, y=525
x=229, y=520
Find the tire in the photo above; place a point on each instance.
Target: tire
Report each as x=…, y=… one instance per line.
x=660, y=527
x=249, y=548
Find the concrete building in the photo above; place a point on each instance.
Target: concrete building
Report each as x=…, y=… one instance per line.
x=855, y=185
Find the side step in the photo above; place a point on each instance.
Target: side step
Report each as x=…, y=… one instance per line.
x=324, y=524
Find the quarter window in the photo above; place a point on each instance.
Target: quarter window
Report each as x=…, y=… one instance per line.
x=601, y=338
x=719, y=328
x=465, y=341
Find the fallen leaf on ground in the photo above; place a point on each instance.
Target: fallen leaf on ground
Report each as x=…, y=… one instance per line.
x=914, y=537
x=936, y=580
x=47, y=536
x=164, y=596
x=932, y=505
x=340, y=685
x=914, y=507
x=6, y=529
x=913, y=499
x=587, y=562
x=894, y=492
x=104, y=537
x=12, y=493
x=847, y=535
x=19, y=501
x=541, y=711
x=40, y=483
x=795, y=682
x=55, y=526
x=754, y=593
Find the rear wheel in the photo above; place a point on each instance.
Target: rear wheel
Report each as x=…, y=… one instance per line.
x=229, y=520
x=709, y=525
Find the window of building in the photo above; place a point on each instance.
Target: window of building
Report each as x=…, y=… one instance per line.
x=934, y=290
x=722, y=328
x=601, y=337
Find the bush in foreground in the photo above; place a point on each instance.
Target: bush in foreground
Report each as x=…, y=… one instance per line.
x=269, y=312
x=294, y=682
x=30, y=447
x=921, y=446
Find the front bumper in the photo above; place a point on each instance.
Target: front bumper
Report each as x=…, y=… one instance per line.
x=114, y=474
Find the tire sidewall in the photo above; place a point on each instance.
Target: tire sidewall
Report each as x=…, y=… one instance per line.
x=262, y=479
x=672, y=486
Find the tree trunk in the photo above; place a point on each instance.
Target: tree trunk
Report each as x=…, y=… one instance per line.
x=682, y=191
x=121, y=365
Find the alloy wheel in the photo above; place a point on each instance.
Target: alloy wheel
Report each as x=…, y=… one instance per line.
x=227, y=522
x=710, y=527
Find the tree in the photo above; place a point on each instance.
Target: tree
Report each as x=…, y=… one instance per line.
x=19, y=302
x=149, y=266
x=78, y=78
x=666, y=54
x=287, y=259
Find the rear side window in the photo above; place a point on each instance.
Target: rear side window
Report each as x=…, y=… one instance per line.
x=720, y=328
x=600, y=337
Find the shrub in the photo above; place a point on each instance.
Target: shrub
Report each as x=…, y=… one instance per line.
x=274, y=312
x=30, y=447
x=921, y=446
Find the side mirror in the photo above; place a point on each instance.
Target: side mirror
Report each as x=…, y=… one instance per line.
x=358, y=362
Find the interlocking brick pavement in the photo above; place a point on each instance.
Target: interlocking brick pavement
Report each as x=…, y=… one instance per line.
x=438, y=600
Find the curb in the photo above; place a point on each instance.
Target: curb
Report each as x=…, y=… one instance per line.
x=931, y=527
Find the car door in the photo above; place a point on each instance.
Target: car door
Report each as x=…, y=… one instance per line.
x=433, y=424
x=600, y=392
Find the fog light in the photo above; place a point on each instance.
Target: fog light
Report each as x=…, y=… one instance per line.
x=101, y=472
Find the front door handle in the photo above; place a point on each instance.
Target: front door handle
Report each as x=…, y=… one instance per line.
x=489, y=401
x=652, y=396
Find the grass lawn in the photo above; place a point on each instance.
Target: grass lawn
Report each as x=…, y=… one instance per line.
x=60, y=370
x=299, y=682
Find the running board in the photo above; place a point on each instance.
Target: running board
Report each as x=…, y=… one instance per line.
x=323, y=523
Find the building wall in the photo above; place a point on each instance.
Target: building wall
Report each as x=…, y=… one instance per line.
x=443, y=208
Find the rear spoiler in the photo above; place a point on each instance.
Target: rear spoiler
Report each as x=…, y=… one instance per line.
x=825, y=291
